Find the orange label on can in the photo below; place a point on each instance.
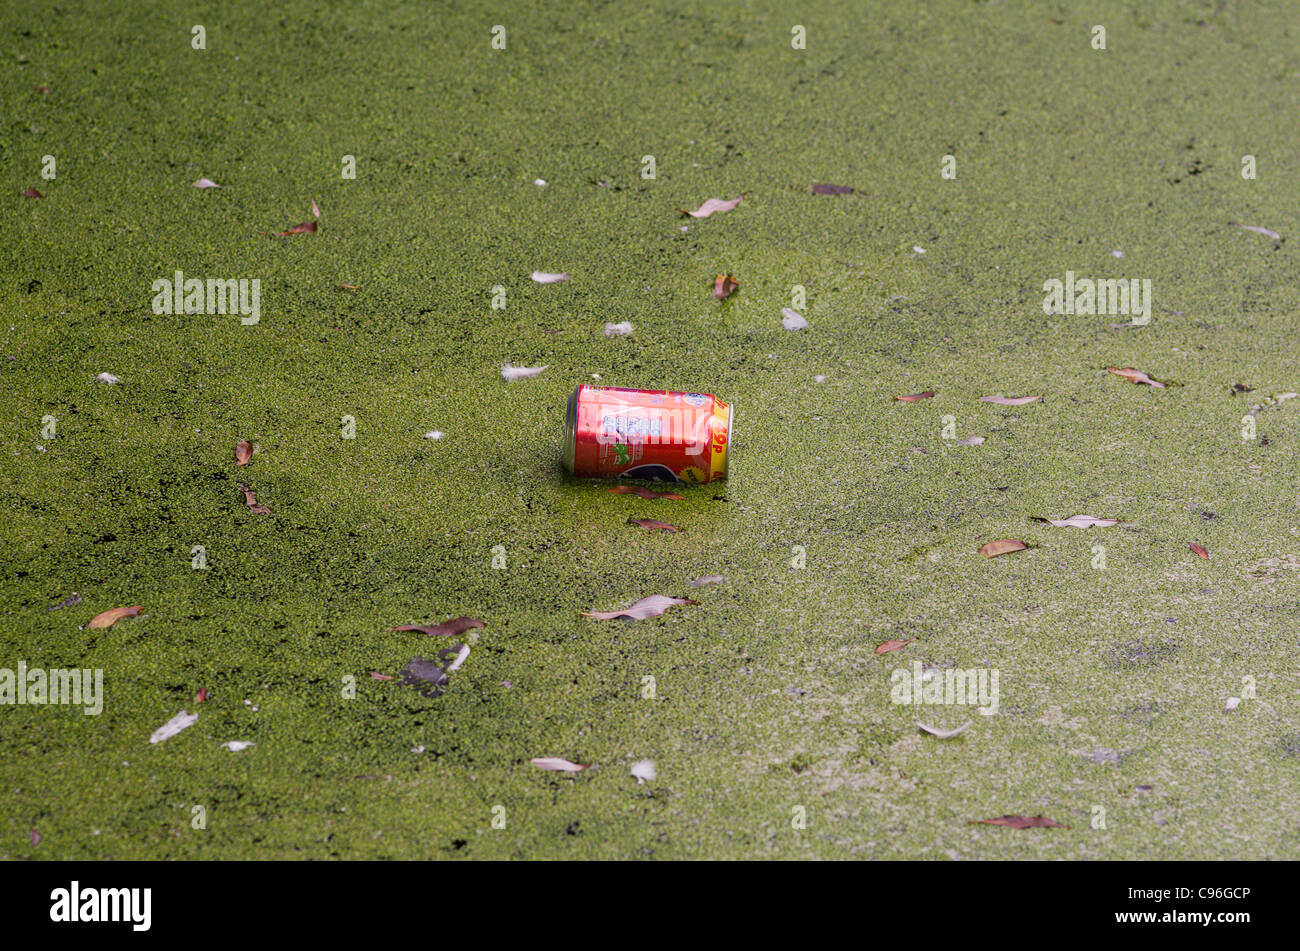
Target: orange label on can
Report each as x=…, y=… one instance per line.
x=647, y=434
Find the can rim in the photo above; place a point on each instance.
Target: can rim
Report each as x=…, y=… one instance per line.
x=571, y=430
x=731, y=432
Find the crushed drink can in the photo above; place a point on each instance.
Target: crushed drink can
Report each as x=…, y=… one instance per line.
x=612, y=433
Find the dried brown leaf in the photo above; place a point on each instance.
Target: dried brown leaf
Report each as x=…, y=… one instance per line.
x=1009, y=400
x=915, y=397
x=32, y=193
x=1199, y=550
x=890, y=646
x=653, y=523
x=250, y=499
x=1021, y=822
x=1002, y=546
x=243, y=452
x=724, y=285
x=1135, y=376
x=832, y=190
x=112, y=616
x=450, y=628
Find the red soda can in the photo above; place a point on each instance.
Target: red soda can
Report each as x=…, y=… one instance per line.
x=612, y=432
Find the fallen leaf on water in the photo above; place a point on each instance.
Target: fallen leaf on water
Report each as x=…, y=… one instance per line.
x=645, y=493
x=173, y=726
x=243, y=452
x=549, y=277
x=376, y=675
x=832, y=190
x=944, y=734
x=201, y=695
x=1199, y=550
x=206, y=183
x=644, y=771
x=914, y=397
x=307, y=227
x=111, y=617
x=970, y=441
x=712, y=207
x=315, y=209
x=452, y=628
x=250, y=499
x=724, y=285
x=1078, y=521
x=32, y=193
x=702, y=580
x=1021, y=822
x=520, y=373
x=557, y=765
x=36, y=837
x=43, y=90
x=792, y=319
x=653, y=523
x=891, y=646
x=1002, y=546
x=1267, y=232
x=652, y=606
x=1135, y=376
x=350, y=287
x=1009, y=400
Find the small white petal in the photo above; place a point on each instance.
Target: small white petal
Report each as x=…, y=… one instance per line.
x=792, y=319
x=820, y=378
x=539, y=182
x=918, y=249
x=549, y=277
x=618, y=330
x=520, y=373
x=236, y=745
x=944, y=734
x=1232, y=704
x=173, y=726
x=108, y=378
x=644, y=771
x=433, y=434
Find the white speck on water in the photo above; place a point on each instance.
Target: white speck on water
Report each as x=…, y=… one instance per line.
x=434, y=434
x=539, y=182
x=820, y=378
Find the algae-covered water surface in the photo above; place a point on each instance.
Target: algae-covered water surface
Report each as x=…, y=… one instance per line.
x=1032, y=197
